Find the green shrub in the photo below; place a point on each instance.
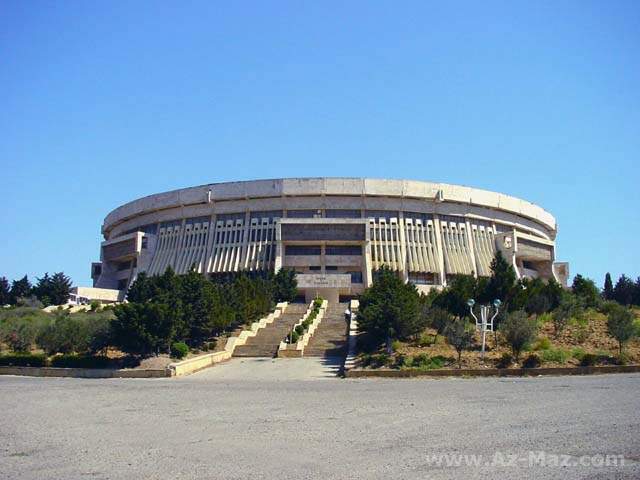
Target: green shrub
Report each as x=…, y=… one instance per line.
x=81, y=361
x=420, y=360
x=396, y=345
x=623, y=359
x=404, y=361
x=589, y=360
x=425, y=340
x=578, y=353
x=380, y=360
x=621, y=326
x=505, y=361
x=179, y=350
x=95, y=305
x=556, y=355
x=317, y=303
x=543, y=343
x=294, y=337
x=299, y=330
x=532, y=361
x=519, y=330
x=76, y=333
x=581, y=333
x=23, y=360
x=376, y=360
x=545, y=318
x=608, y=306
x=423, y=362
x=19, y=333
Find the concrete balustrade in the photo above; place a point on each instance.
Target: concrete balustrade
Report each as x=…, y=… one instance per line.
x=352, y=351
x=287, y=350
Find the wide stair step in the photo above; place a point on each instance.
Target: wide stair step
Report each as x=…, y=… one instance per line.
x=331, y=336
x=266, y=342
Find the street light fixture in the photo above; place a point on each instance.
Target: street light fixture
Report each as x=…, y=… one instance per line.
x=484, y=324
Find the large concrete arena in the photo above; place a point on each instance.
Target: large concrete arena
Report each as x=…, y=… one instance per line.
x=333, y=231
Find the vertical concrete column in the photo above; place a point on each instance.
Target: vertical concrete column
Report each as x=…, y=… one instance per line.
x=440, y=259
x=178, y=246
x=323, y=258
x=472, y=251
x=403, y=247
x=515, y=250
x=208, y=255
x=279, y=248
x=366, y=257
x=244, y=255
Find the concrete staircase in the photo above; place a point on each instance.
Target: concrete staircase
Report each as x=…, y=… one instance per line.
x=330, y=339
x=266, y=342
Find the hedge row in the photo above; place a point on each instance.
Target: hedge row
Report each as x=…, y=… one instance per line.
x=23, y=360
x=64, y=361
x=299, y=330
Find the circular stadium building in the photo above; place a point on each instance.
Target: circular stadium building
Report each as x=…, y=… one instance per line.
x=334, y=232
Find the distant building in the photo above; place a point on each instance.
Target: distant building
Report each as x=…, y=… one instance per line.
x=333, y=231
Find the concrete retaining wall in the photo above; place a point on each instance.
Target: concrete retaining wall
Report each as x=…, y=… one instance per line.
x=195, y=364
x=84, y=372
x=492, y=372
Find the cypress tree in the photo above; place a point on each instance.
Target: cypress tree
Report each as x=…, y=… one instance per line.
x=20, y=289
x=503, y=278
x=5, y=291
x=607, y=292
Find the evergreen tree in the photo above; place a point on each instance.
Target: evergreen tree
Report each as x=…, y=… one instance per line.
x=554, y=292
x=143, y=328
x=286, y=285
x=503, y=278
x=243, y=299
x=53, y=290
x=141, y=290
x=390, y=308
x=454, y=298
x=166, y=290
x=586, y=290
x=20, y=289
x=60, y=288
x=437, y=318
x=42, y=288
x=5, y=291
x=636, y=292
x=204, y=308
x=607, y=292
x=537, y=304
x=623, y=291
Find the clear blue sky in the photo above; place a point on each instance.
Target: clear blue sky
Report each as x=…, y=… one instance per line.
x=103, y=102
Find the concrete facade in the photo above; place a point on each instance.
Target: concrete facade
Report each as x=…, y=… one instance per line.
x=333, y=231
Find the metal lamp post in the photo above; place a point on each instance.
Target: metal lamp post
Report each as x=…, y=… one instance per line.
x=485, y=323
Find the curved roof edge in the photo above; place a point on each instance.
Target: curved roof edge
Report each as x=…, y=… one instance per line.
x=315, y=186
